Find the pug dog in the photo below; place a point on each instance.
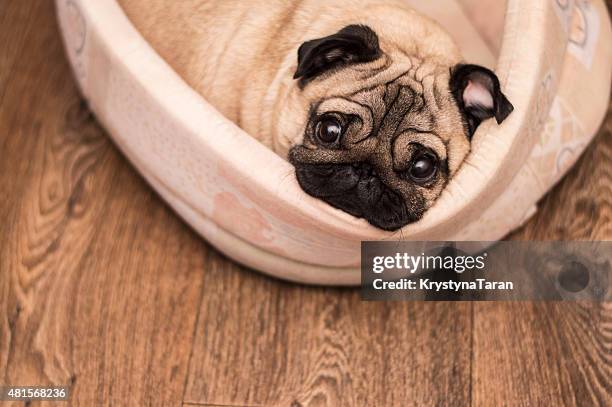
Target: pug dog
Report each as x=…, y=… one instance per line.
x=369, y=100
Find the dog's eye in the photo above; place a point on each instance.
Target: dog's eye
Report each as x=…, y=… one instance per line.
x=329, y=130
x=423, y=167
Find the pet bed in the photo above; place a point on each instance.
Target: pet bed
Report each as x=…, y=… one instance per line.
x=553, y=58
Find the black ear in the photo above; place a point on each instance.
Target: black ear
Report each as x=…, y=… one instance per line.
x=352, y=44
x=477, y=92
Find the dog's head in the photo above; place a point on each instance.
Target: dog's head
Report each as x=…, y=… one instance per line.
x=386, y=132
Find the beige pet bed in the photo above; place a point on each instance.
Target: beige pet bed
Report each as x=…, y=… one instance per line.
x=552, y=57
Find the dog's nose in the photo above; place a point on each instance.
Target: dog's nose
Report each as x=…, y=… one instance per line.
x=364, y=169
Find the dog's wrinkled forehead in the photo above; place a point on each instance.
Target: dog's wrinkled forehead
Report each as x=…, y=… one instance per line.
x=387, y=110
x=394, y=111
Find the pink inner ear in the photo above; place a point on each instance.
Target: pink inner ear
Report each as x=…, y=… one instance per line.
x=476, y=94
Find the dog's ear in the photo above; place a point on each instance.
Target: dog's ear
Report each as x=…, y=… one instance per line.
x=352, y=44
x=477, y=92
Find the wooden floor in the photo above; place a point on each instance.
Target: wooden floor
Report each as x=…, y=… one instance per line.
x=104, y=288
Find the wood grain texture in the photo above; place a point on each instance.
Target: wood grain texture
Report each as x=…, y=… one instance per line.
x=263, y=342
x=100, y=284
x=103, y=287
x=544, y=354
